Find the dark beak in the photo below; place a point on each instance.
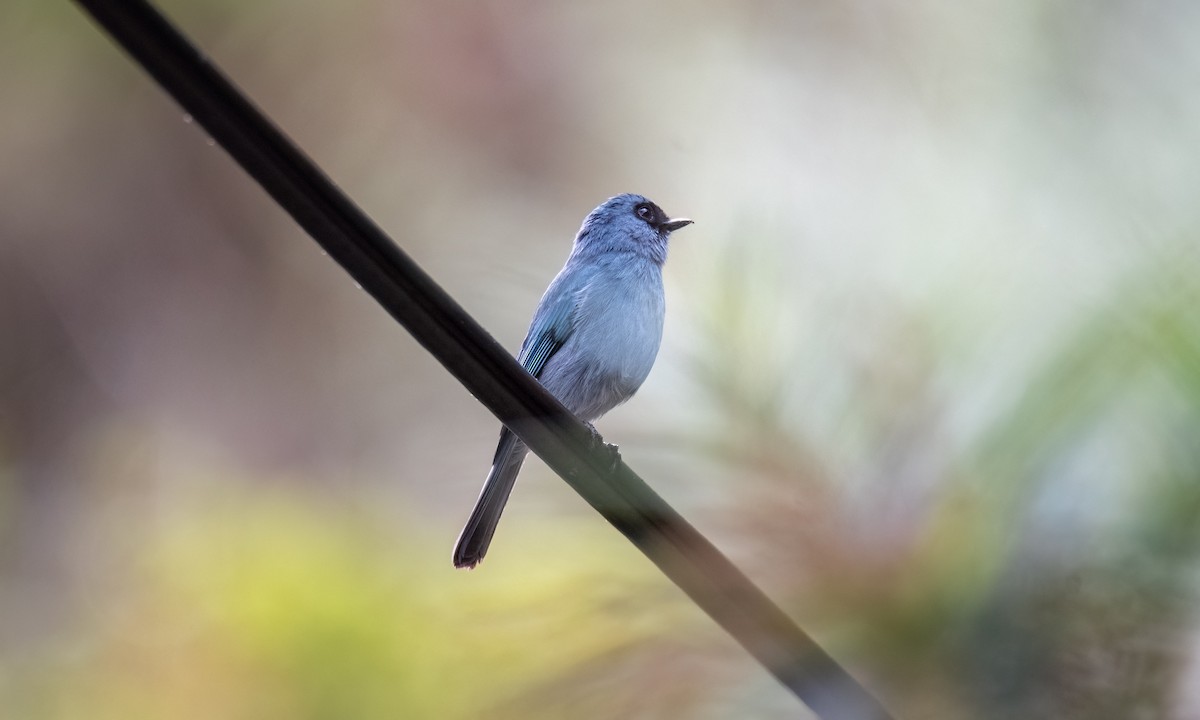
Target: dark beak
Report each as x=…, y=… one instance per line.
x=673, y=225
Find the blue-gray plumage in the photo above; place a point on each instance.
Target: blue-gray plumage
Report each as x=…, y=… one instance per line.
x=593, y=338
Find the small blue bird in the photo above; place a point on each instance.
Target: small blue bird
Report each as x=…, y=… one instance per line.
x=593, y=338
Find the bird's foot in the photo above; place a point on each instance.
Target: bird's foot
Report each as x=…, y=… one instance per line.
x=614, y=452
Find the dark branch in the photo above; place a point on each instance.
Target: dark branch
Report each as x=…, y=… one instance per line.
x=481, y=365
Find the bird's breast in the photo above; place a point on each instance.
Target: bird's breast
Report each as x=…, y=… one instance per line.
x=616, y=331
x=621, y=323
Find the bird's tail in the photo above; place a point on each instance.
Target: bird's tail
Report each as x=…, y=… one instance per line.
x=477, y=533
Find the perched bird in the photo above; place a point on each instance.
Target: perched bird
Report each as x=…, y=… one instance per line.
x=593, y=337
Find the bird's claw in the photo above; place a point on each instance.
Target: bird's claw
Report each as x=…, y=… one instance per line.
x=614, y=454
x=613, y=451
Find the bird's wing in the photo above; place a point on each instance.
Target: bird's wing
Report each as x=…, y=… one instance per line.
x=552, y=325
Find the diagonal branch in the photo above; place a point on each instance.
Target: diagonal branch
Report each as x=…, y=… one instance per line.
x=486, y=370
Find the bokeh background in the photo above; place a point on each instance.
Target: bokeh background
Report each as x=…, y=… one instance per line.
x=931, y=372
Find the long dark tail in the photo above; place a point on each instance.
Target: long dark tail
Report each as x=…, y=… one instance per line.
x=477, y=534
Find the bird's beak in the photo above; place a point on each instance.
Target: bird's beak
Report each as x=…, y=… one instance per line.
x=673, y=225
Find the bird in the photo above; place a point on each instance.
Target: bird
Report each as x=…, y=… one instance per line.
x=592, y=341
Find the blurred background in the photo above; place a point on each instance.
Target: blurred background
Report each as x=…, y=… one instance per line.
x=931, y=372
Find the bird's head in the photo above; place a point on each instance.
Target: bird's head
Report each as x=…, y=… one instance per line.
x=628, y=223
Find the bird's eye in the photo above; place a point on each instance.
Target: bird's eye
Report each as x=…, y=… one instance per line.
x=645, y=212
